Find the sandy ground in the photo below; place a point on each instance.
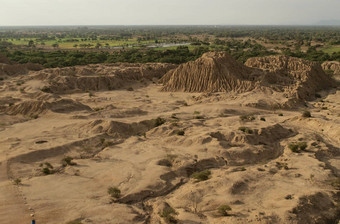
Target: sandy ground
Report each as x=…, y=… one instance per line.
x=113, y=145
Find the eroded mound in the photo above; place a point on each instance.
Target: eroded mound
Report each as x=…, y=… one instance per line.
x=213, y=72
x=297, y=78
x=333, y=66
x=35, y=107
x=99, y=77
x=218, y=72
x=120, y=129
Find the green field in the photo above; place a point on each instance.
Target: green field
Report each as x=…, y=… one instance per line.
x=331, y=49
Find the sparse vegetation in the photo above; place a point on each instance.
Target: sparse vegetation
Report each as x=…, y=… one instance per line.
x=297, y=147
x=306, y=114
x=180, y=132
x=168, y=214
x=159, y=121
x=67, y=161
x=246, y=130
x=114, y=192
x=280, y=114
x=167, y=161
x=17, y=181
x=199, y=117
x=47, y=168
x=201, y=176
x=130, y=89
x=263, y=119
x=46, y=89
x=247, y=118
x=76, y=221
x=224, y=209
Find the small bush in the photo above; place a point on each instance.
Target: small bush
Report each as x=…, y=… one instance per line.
x=201, y=176
x=46, y=89
x=199, y=117
x=76, y=221
x=173, y=116
x=47, y=168
x=130, y=89
x=281, y=114
x=168, y=215
x=297, y=147
x=167, y=161
x=246, y=130
x=17, y=181
x=317, y=95
x=263, y=119
x=67, y=161
x=159, y=121
x=196, y=112
x=247, y=118
x=180, y=132
x=306, y=114
x=34, y=116
x=46, y=171
x=114, y=192
x=224, y=209
x=164, y=162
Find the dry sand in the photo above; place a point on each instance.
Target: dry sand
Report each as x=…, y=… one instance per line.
x=115, y=140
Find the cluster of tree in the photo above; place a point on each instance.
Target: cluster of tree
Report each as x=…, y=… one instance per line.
x=71, y=58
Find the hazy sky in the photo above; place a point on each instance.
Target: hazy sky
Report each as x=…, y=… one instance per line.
x=170, y=12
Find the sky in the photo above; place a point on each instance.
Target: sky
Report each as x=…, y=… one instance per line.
x=167, y=12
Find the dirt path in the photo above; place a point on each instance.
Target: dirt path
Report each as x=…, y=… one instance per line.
x=12, y=207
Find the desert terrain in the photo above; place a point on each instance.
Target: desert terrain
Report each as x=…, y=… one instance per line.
x=208, y=141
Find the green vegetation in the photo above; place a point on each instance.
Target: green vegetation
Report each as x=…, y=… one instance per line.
x=297, y=147
x=46, y=89
x=224, y=209
x=201, y=176
x=246, y=130
x=46, y=168
x=68, y=46
x=76, y=221
x=67, y=161
x=17, y=181
x=167, y=161
x=113, y=192
x=159, y=121
x=263, y=119
x=306, y=114
x=180, y=132
x=168, y=214
x=247, y=118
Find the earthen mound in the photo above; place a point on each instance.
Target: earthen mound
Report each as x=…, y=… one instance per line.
x=213, y=72
x=99, y=77
x=333, y=66
x=120, y=129
x=297, y=78
x=35, y=107
x=217, y=71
